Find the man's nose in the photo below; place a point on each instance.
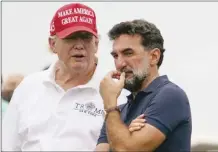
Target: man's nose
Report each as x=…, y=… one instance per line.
x=79, y=46
x=120, y=63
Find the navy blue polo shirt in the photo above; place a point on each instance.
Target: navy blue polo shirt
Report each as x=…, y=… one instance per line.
x=167, y=108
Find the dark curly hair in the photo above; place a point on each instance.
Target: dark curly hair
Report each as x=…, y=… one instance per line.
x=150, y=34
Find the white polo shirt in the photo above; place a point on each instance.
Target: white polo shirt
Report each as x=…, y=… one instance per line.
x=43, y=117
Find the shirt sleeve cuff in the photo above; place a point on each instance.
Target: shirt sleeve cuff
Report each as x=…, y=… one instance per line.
x=157, y=124
x=102, y=140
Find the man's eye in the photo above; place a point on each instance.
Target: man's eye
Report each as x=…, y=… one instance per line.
x=83, y=36
x=128, y=53
x=115, y=55
x=87, y=37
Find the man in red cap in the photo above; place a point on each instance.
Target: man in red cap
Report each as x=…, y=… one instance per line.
x=60, y=109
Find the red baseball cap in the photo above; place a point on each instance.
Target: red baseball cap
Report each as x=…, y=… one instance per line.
x=72, y=18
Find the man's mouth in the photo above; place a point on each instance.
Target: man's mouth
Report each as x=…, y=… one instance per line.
x=128, y=73
x=78, y=56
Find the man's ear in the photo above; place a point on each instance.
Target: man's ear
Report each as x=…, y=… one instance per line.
x=96, y=44
x=96, y=59
x=52, y=43
x=155, y=56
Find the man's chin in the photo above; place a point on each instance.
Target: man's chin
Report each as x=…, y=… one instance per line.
x=78, y=67
x=128, y=87
x=132, y=85
x=128, y=80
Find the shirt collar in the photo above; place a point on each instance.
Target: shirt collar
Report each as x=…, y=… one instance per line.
x=50, y=73
x=154, y=85
x=93, y=83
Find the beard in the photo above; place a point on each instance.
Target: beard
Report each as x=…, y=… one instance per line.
x=135, y=83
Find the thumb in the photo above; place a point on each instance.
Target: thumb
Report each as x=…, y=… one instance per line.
x=122, y=79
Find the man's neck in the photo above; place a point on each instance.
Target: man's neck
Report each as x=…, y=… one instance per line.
x=68, y=79
x=150, y=79
x=153, y=75
x=146, y=83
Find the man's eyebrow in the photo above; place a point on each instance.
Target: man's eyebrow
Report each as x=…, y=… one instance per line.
x=122, y=51
x=113, y=52
x=126, y=50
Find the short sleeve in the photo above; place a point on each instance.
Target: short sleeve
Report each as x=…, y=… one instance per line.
x=103, y=136
x=169, y=108
x=11, y=139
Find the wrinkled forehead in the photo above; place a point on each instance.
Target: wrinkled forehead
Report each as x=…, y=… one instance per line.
x=125, y=41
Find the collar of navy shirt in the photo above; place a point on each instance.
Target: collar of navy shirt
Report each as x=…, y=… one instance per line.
x=154, y=85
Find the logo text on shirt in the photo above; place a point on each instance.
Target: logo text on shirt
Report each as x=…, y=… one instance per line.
x=89, y=108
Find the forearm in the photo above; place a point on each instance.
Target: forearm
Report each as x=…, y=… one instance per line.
x=120, y=138
x=117, y=132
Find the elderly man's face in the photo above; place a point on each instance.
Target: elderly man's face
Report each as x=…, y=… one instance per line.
x=77, y=51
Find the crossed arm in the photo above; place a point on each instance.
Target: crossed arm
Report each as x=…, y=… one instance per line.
x=146, y=139
x=135, y=125
x=162, y=117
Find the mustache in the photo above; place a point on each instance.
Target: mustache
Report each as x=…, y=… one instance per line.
x=126, y=71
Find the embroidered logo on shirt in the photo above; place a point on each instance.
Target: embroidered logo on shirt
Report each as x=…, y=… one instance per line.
x=89, y=108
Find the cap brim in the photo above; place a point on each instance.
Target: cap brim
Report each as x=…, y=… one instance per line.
x=71, y=30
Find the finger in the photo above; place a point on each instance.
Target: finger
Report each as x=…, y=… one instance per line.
x=122, y=78
x=136, y=125
x=141, y=116
x=134, y=129
x=113, y=73
x=116, y=76
x=139, y=120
